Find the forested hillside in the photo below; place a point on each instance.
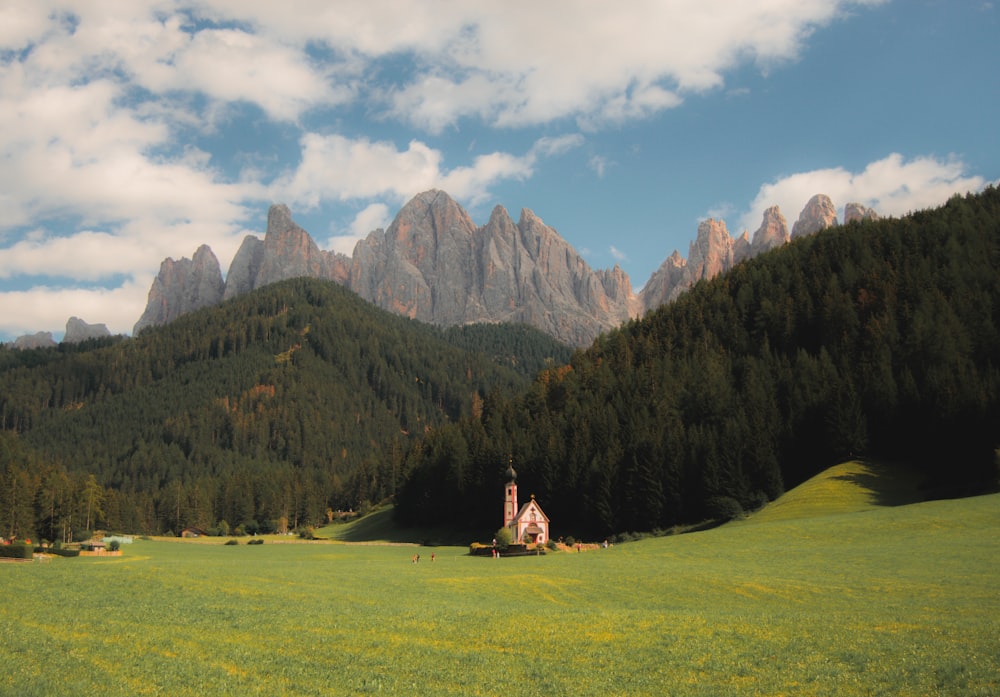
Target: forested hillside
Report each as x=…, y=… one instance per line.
x=874, y=338
x=265, y=411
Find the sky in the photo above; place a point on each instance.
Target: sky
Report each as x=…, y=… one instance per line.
x=132, y=131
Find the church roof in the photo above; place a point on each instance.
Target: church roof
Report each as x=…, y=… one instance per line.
x=530, y=504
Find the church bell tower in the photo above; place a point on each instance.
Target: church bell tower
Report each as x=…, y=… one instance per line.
x=510, y=497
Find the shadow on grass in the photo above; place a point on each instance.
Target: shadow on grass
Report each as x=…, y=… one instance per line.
x=379, y=526
x=886, y=484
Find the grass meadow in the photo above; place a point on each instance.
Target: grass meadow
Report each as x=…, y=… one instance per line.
x=848, y=598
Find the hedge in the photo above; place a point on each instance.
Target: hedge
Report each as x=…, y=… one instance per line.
x=16, y=551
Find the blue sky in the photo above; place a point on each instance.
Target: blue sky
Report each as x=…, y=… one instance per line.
x=130, y=132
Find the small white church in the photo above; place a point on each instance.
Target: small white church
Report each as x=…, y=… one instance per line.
x=529, y=524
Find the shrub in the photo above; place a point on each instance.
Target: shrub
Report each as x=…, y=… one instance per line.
x=504, y=538
x=114, y=546
x=232, y=542
x=724, y=508
x=256, y=541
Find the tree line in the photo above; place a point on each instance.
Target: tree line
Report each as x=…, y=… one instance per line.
x=871, y=339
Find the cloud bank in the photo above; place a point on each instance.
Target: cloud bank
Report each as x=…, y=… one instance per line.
x=892, y=186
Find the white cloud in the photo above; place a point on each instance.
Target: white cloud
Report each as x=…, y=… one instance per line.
x=892, y=186
x=337, y=168
x=372, y=217
x=617, y=254
x=22, y=23
x=607, y=62
x=47, y=308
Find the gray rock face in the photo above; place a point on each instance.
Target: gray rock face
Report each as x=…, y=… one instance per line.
x=183, y=286
x=710, y=254
x=857, y=212
x=244, y=268
x=741, y=248
x=77, y=330
x=818, y=214
x=661, y=284
x=290, y=252
x=433, y=264
x=287, y=251
x=773, y=232
x=33, y=341
x=422, y=265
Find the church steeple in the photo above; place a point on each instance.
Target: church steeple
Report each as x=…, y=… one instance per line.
x=510, y=496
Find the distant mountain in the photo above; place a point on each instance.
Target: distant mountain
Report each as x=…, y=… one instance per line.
x=76, y=331
x=181, y=287
x=434, y=264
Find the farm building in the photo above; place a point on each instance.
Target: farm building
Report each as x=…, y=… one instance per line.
x=527, y=524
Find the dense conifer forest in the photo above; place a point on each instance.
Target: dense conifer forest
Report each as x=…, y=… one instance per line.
x=263, y=413
x=871, y=339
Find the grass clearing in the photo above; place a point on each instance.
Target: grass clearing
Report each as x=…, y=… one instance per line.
x=851, y=487
x=889, y=601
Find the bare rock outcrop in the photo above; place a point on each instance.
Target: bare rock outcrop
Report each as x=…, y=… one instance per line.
x=818, y=214
x=290, y=252
x=858, y=212
x=34, y=341
x=661, y=284
x=183, y=286
x=77, y=330
x=244, y=268
x=772, y=233
x=710, y=254
x=433, y=264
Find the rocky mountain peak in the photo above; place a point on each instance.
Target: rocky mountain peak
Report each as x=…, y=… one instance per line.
x=858, y=212
x=33, y=341
x=433, y=264
x=287, y=251
x=711, y=252
x=279, y=219
x=290, y=252
x=773, y=232
x=183, y=286
x=77, y=330
x=818, y=214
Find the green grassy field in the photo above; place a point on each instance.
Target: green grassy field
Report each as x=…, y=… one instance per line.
x=858, y=599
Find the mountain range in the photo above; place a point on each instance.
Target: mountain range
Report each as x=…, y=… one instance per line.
x=874, y=340
x=434, y=264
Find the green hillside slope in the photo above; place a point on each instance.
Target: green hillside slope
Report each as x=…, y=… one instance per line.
x=263, y=412
x=850, y=487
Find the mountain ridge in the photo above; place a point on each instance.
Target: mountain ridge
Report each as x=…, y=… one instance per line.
x=435, y=264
